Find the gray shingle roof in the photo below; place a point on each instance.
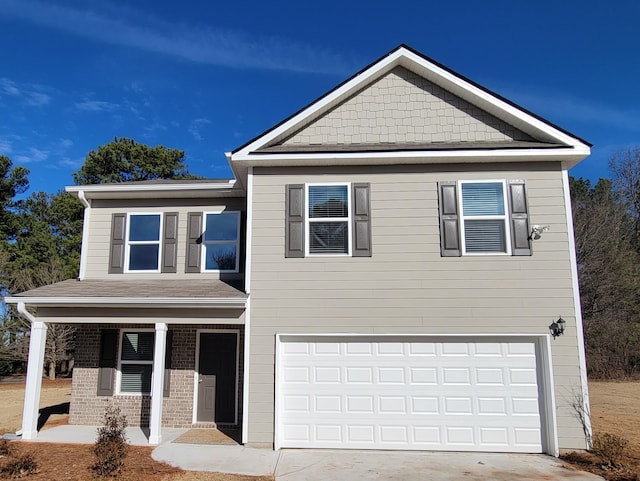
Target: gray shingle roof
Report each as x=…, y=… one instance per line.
x=174, y=289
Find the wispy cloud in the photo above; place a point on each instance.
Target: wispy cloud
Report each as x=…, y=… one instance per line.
x=216, y=46
x=6, y=147
x=9, y=87
x=568, y=106
x=37, y=98
x=96, y=106
x=32, y=155
x=31, y=94
x=195, y=129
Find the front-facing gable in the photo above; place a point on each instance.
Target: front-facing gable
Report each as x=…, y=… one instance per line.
x=400, y=109
x=407, y=108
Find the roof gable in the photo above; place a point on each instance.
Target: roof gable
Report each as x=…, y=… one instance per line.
x=401, y=108
x=367, y=119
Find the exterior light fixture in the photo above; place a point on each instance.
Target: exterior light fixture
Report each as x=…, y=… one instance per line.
x=557, y=327
x=537, y=231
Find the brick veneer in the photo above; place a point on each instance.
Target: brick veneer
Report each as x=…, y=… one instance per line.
x=88, y=408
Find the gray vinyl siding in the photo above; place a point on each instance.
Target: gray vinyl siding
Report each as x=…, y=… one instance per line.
x=100, y=233
x=406, y=286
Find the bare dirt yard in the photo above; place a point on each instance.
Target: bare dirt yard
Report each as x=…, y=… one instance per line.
x=615, y=409
x=70, y=462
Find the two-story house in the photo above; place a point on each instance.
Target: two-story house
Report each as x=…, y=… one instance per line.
x=381, y=273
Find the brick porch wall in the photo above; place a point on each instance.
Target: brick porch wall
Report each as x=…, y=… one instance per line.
x=87, y=408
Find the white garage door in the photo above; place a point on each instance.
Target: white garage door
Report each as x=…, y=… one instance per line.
x=407, y=393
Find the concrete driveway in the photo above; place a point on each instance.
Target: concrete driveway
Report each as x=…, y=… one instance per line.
x=320, y=465
x=340, y=465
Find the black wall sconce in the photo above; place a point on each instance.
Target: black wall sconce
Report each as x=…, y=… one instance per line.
x=557, y=327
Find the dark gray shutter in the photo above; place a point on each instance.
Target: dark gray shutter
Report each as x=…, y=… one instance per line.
x=194, y=241
x=170, y=243
x=108, y=361
x=519, y=218
x=361, y=220
x=449, y=223
x=294, y=228
x=116, y=251
x=167, y=364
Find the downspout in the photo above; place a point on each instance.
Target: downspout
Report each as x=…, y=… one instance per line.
x=85, y=234
x=22, y=310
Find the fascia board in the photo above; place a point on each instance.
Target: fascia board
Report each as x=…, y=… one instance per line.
x=193, y=302
x=434, y=73
x=570, y=156
x=94, y=191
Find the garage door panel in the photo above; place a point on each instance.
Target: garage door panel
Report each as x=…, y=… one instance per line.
x=377, y=394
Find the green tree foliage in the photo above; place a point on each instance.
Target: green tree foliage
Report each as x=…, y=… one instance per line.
x=13, y=181
x=125, y=160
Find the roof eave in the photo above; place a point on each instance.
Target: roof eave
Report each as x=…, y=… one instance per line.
x=138, y=302
x=122, y=191
x=570, y=156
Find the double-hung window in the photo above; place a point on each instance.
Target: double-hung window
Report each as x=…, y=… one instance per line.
x=483, y=217
x=328, y=219
x=220, y=241
x=484, y=225
x=136, y=362
x=143, y=242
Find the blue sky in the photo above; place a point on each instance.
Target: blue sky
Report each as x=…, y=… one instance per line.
x=206, y=76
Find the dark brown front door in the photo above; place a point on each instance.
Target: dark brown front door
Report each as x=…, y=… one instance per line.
x=217, y=377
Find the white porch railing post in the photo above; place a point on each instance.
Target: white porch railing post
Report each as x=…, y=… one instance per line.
x=157, y=385
x=33, y=386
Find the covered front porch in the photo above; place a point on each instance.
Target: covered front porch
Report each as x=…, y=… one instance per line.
x=126, y=335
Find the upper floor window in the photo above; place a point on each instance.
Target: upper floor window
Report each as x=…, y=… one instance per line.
x=484, y=221
x=328, y=219
x=220, y=240
x=483, y=217
x=136, y=362
x=143, y=242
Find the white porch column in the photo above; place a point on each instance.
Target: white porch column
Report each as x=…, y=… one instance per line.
x=157, y=384
x=35, y=365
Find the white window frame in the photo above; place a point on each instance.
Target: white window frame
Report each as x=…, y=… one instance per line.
x=121, y=362
x=128, y=243
x=203, y=253
x=308, y=220
x=504, y=218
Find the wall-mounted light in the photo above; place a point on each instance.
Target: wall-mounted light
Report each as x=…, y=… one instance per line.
x=557, y=327
x=537, y=231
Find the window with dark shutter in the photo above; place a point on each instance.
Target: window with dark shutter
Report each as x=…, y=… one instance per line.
x=483, y=217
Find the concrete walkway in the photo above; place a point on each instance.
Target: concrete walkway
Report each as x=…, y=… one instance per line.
x=344, y=465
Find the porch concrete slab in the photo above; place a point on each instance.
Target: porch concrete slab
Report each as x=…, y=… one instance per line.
x=221, y=459
x=87, y=435
x=320, y=465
